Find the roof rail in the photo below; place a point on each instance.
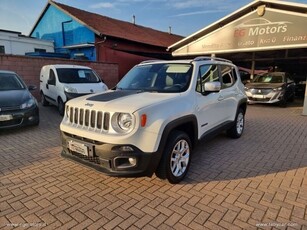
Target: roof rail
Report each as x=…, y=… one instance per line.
x=149, y=61
x=202, y=58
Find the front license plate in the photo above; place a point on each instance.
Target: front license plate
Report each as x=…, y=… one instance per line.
x=258, y=96
x=78, y=147
x=6, y=117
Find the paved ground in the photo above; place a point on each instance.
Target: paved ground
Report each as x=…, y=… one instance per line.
x=257, y=181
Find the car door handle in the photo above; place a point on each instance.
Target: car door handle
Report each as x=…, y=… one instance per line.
x=220, y=98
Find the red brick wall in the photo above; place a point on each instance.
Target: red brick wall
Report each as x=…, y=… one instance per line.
x=29, y=68
x=127, y=53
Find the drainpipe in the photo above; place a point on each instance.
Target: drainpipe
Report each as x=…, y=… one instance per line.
x=63, y=31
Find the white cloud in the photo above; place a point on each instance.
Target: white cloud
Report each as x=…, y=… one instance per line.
x=185, y=4
x=198, y=12
x=102, y=5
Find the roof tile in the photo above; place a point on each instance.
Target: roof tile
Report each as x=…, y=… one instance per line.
x=121, y=29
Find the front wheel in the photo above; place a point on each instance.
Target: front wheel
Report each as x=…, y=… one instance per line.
x=237, y=129
x=176, y=158
x=61, y=106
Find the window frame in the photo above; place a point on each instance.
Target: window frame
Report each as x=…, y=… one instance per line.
x=232, y=74
x=199, y=77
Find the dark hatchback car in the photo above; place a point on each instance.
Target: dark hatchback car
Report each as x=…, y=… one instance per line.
x=17, y=105
x=272, y=87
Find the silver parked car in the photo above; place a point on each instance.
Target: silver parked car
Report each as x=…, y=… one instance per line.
x=272, y=87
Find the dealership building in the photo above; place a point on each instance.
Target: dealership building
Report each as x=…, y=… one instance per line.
x=263, y=34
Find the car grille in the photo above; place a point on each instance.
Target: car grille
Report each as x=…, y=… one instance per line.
x=89, y=118
x=9, y=108
x=261, y=91
x=93, y=159
x=11, y=123
x=258, y=99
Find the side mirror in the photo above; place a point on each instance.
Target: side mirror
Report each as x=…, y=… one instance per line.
x=212, y=87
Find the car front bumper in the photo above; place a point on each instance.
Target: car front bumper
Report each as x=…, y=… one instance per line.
x=17, y=118
x=270, y=98
x=110, y=159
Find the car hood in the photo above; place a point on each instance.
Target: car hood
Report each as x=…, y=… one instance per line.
x=264, y=85
x=121, y=100
x=11, y=98
x=87, y=87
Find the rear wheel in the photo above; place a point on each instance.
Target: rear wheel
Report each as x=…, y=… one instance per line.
x=43, y=100
x=176, y=158
x=237, y=129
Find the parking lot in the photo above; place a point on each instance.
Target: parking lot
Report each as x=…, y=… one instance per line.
x=257, y=181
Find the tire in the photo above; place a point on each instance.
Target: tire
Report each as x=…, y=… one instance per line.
x=292, y=97
x=175, y=161
x=61, y=107
x=283, y=103
x=43, y=100
x=237, y=129
x=36, y=123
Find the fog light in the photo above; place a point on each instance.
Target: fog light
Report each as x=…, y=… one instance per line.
x=124, y=162
x=132, y=161
x=31, y=118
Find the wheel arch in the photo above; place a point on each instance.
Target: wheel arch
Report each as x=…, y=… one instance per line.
x=187, y=124
x=242, y=105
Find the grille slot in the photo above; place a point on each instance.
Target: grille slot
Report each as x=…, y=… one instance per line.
x=89, y=118
x=99, y=120
x=91, y=159
x=10, y=108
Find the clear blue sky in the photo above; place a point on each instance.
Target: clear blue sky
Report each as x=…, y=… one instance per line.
x=184, y=16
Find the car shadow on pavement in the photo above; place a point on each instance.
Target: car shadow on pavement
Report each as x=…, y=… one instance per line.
x=273, y=141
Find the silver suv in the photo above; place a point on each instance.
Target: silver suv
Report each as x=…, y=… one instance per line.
x=151, y=121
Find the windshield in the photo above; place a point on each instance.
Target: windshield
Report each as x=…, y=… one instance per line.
x=166, y=77
x=269, y=78
x=9, y=81
x=77, y=76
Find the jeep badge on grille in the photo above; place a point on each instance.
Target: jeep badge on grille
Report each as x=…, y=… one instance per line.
x=89, y=104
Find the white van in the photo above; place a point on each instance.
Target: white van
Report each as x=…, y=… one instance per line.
x=60, y=83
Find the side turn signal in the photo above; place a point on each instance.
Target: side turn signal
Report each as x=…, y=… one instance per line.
x=143, y=120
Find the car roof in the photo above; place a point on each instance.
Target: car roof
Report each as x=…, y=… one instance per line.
x=189, y=61
x=70, y=66
x=7, y=71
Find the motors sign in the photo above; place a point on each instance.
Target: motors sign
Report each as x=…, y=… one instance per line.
x=276, y=29
x=261, y=26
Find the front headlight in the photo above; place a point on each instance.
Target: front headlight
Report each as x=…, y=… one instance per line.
x=278, y=89
x=122, y=122
x=104, y=87
x=28, y=104
x=69, y=89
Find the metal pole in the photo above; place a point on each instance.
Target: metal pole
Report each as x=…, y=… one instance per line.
x=253, y=66
x=305, y=101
